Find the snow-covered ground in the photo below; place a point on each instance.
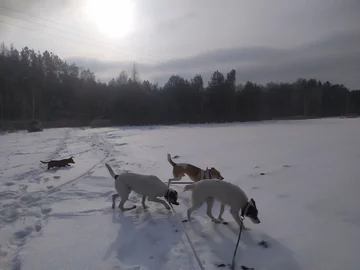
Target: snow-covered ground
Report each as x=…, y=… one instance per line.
x=304, y=176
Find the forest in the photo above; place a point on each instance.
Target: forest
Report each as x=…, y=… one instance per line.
x=35, y=85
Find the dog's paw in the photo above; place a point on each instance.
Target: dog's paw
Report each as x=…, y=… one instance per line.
x=168, y=208
x=185, y=220
x=220, y=218
x=263, y=244
x=216, y=221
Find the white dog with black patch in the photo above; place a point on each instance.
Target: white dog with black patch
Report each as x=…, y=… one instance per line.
x=146, y=185
x=225, y=192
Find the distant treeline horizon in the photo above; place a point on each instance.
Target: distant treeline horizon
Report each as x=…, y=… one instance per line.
x=35, y=85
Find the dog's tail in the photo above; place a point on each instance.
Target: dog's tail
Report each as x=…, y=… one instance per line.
x=189, y=187
x=110, y=170
x=170, y=160
x=44, y=162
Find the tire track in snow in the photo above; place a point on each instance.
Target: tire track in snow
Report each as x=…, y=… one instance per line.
x=22, y=202
x=34, y=206
x=27, y=200
x=58, y=188
x=35, y=173
x=44, y=194
x=9, y=212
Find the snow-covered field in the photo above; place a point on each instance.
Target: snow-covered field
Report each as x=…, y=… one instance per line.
x=308, y=197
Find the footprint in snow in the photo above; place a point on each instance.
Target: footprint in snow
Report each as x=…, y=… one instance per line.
x=23, y=233
x=45, y=211
x=283, y=196
x=8, y=184
x=38, y=227
x=286, y=166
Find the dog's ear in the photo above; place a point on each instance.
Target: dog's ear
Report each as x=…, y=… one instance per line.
x=71, y=157
x=253, y=202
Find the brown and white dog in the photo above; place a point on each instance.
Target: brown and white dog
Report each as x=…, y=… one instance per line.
x=196, y=174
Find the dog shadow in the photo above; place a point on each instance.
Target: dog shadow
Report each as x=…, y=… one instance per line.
x=221, y=240
x=56, y=169
x=145, y=238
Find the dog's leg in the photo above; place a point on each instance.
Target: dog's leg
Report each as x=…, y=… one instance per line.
x=125, y=192
x=192, y=209
x=159, y=201
x=222, y=208
x=143, y=202
x=235, y=215
x=175, y=179
x=114, y=196
x=121, y=205
x=210, y=203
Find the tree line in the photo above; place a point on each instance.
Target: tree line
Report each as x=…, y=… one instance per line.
x=35, y=85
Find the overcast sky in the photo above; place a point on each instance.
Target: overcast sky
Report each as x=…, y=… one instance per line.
x=264, y=40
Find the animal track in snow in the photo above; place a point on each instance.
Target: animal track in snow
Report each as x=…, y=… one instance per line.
x=9, y=184
x=20, y=235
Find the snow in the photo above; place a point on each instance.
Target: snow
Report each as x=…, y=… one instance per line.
x=62, y=218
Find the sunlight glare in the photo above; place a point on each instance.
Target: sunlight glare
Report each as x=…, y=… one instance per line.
x=113, y=18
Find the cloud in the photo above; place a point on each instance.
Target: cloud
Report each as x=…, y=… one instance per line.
x=25, y=13
x=173, y=23
x=336, y=58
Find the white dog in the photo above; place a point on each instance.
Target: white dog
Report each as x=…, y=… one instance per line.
x=146, y=185
x=225, y=192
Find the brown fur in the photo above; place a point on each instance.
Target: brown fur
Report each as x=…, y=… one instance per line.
x=58, y=163
x=194, y=173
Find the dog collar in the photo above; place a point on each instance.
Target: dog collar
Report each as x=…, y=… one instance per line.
x=206, y=174
x=245, y=209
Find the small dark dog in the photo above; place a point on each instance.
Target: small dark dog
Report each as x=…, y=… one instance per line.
x=58, y=163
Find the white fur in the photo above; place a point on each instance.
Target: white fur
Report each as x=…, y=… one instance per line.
x=146, y=185
x=225, y=192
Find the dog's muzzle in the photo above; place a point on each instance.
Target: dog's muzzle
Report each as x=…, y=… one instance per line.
x=255, y=221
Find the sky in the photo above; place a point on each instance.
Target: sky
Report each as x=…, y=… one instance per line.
x=263, y=40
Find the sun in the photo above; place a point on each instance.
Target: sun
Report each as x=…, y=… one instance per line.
x=113, y=18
